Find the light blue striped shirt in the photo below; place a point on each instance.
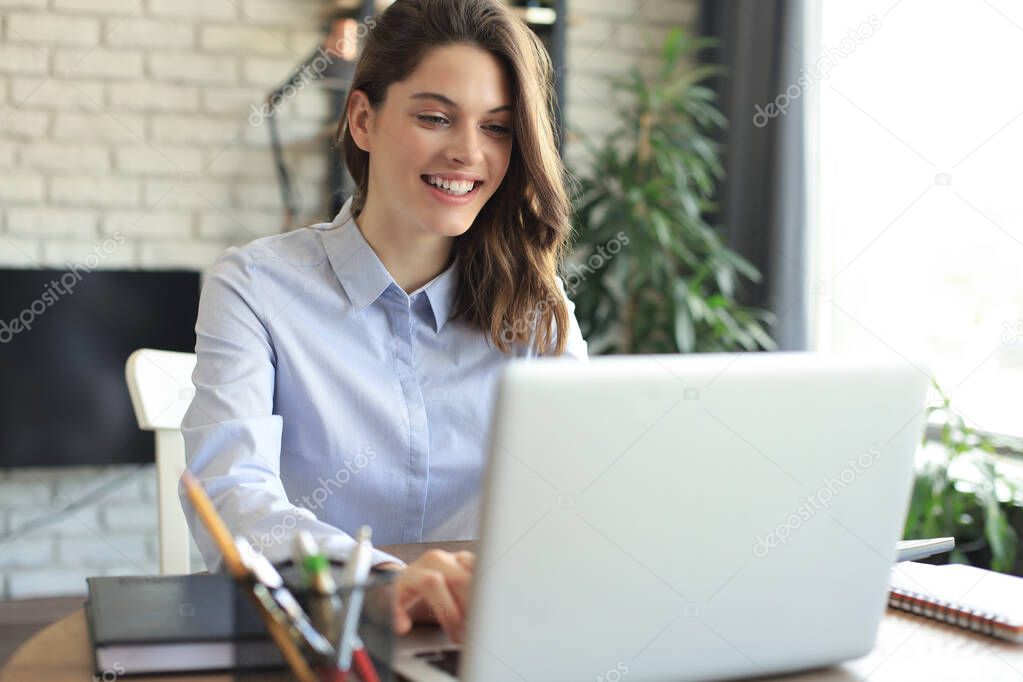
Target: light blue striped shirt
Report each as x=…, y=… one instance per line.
x=327, y=398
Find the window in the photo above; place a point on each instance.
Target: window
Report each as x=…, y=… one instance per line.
x=919, y=236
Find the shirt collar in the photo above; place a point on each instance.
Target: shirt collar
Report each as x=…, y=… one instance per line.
x=365, y=278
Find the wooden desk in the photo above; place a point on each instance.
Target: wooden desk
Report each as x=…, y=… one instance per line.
x=908, y=648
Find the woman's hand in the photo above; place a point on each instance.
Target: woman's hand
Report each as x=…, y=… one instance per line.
x=433, y=588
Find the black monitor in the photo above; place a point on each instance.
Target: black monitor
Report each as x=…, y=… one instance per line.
x=64, y=338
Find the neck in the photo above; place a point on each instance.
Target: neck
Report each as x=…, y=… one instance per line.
x=412, y=256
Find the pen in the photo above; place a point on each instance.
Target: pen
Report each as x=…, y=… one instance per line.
x=268, y=576
x=912, y=550
x=356, y=572
x=218, y=530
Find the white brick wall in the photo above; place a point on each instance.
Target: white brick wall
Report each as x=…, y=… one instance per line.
x=48, y=221
x=17, y=59
x=54, y=157
x=606, y=39
x=96, y=62
x=53, y=29
x=55, y=558
x=120, y=115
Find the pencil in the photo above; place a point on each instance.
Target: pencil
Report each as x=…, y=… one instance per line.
x=215, y=526
x=218, y=530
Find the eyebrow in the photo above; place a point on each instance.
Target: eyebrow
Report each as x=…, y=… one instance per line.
x=451, y=103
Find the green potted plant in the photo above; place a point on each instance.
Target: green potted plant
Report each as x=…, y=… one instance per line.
x=963, y=489
x=647, y=273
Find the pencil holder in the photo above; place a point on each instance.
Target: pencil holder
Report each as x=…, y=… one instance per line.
x=375, y=626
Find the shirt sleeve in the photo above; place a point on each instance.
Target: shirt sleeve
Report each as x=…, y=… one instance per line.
x=232, y=437
x=575, y=345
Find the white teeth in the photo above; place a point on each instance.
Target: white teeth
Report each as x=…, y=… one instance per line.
x=452, y=186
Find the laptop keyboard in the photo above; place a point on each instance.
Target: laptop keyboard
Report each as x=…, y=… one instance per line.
x=444, y=659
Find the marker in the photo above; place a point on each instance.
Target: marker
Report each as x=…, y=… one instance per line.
x=324, y=604
x=355, y=574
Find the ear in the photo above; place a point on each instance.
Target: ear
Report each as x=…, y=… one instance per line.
x=360, y=118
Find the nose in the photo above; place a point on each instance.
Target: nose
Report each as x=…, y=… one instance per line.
x=464, y=147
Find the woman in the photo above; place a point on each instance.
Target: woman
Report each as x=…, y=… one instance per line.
x=346, y=371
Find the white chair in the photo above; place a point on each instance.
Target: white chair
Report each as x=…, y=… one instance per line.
x=160, y=384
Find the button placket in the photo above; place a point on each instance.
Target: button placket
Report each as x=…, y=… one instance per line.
x=418, y=429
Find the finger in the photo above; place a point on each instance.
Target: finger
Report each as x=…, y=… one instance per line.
x=460, y=582
x=466, y=559
x=401, y=622
x=404, y=598
x=458, y=575
x=435, y=590
x=407, y=592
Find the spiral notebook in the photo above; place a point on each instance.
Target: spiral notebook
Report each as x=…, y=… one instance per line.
x=966, y=596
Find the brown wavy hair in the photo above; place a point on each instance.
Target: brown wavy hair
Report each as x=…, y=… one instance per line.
x=510, y=256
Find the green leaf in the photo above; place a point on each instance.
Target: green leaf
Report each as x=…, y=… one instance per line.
x=661, y=228
x=697, y=307
x=689, y=204
x=741, y=264
x=685, y=334
x=673, y=44
x=725, y=281
x=761, y=337
x=674, y=286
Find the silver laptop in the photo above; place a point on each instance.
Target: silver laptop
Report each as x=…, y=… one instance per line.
x=684, y=517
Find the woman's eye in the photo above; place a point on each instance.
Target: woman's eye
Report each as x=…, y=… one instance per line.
x=440, y=120
x=436, y=120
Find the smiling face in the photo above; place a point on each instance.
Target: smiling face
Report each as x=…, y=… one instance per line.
x=449, y=123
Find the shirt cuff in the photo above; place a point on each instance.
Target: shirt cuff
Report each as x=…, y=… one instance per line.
x=383, y=557
x=339, y=547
